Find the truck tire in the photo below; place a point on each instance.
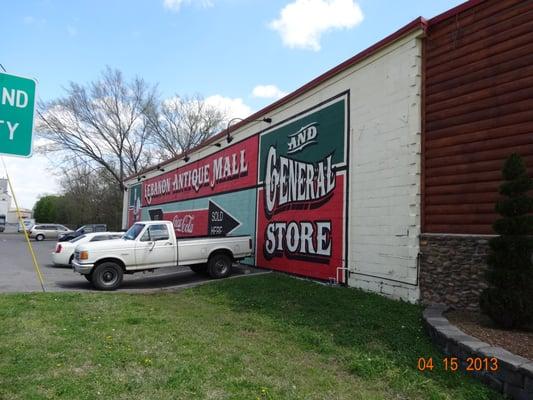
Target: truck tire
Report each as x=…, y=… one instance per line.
x=107, y=276
x=200, y=269
x=219, y=266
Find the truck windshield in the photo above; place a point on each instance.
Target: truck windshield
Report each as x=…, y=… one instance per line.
x=133, y=232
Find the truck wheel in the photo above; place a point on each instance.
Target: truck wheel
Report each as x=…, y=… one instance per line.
x=39, y=237
x=107, y=276
x=199, y=268
x=219, y=266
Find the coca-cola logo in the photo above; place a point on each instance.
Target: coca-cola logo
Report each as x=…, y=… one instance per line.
x=183, y=224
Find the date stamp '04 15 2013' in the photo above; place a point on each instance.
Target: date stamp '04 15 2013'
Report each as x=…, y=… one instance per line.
x=476, y=364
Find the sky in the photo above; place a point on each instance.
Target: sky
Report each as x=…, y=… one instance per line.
x=239, y=54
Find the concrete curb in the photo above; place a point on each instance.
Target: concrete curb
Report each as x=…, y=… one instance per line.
x=514, y=377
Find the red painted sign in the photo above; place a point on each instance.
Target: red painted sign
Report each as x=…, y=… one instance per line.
x=304, y=238
x=230, y=169
x=188, y=223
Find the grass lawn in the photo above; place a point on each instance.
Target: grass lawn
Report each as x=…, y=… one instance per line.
x=262, y=337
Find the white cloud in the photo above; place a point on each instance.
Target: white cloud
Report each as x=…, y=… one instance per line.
x=28, y=20
x=268, y=92
x=302, y=22
x=233, y=108
x=30, y=177
x=175, y=5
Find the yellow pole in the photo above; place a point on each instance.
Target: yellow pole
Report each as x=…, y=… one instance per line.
x=36, y=265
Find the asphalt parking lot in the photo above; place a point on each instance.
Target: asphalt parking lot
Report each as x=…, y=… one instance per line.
x=17, y=273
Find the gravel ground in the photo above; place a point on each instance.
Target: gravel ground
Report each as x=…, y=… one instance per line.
x=481, y=327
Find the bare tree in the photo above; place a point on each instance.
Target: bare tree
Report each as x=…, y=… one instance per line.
x=90, y=195
x=181, y=123
x=104, y=122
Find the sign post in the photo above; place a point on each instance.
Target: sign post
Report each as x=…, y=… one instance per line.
x=17, y=105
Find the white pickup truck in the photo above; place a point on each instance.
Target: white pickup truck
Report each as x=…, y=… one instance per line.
x=152, y=244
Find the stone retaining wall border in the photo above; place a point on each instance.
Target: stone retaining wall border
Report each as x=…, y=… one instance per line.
x=514, y=377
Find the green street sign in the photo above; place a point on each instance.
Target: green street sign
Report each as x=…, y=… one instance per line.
x=17, y=105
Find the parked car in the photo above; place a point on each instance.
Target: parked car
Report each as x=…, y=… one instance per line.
x=47, y=231
x=153, y=244
x=90, y=228
x=28, y=223
x=64, y=251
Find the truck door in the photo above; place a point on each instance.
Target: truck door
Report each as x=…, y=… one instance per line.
x=155, y=248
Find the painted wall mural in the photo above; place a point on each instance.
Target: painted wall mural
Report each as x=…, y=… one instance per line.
x=302, y=190
x=134, y=204
x=285, y=186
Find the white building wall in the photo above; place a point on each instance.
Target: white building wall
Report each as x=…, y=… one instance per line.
x=384, y=184
x=125, y=209
x=5, y=198
x=13, y=218
x=5, y=201
x=384, y=221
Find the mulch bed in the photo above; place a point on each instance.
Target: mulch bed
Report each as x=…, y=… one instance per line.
x=481, y=327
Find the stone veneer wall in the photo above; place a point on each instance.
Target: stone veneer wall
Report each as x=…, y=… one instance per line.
x=452, y=269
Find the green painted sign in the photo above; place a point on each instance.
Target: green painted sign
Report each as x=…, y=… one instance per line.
x=309, y=138
x=17, y=105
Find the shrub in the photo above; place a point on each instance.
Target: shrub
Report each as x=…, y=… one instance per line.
x=509, y=301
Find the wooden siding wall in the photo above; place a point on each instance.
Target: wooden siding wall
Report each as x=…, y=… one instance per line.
x=478, y=109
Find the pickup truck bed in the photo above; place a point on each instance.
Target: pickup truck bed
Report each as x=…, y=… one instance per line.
x=194, y=250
